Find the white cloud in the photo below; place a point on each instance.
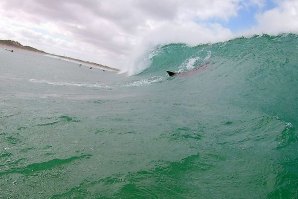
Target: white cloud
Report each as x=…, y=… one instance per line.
x=282, y=19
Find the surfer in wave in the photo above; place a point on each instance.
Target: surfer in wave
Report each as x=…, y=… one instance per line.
x=190, y=72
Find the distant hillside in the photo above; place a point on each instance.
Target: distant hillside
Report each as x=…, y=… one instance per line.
x=15, y=44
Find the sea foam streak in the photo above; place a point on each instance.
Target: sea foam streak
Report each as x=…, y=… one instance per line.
x=145, y=82
x=137, y=83
x=96, y=85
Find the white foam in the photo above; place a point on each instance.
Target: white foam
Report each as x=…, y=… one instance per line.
x=208, y=56
x=96, y=85
x=194, y=62
x=190, y=63
x=144, y=82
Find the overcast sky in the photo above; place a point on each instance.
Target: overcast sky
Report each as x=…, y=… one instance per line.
x=115, y=32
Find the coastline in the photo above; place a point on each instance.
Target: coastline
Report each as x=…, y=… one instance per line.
x=14, y=46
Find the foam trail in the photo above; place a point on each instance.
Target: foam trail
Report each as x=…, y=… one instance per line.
x=96, y=85
x=144, y=82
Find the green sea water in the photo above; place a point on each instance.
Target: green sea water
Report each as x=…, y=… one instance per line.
x=228, y=131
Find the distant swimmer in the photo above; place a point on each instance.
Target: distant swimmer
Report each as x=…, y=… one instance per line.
x=190, y=72
x=9, y=50
x=90, y=68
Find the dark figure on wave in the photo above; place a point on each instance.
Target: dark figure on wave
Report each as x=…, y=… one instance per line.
x=190, y=72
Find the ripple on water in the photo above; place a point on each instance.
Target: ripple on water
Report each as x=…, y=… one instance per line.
x=42, y=166
x=185, y=133
x=287, y=136
x=12, y=140
x=165, y=179
x=60, y=119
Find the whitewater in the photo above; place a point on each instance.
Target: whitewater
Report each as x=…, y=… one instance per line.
x=227, y=131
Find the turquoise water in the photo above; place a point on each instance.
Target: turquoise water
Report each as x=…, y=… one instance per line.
x=229, y=131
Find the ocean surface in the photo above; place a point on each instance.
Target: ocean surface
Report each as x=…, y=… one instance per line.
x=226, y=131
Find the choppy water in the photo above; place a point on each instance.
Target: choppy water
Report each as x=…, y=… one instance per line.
x=229, y=131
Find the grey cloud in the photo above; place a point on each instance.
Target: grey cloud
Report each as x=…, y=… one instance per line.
x=44, y=10
x=163, y=10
